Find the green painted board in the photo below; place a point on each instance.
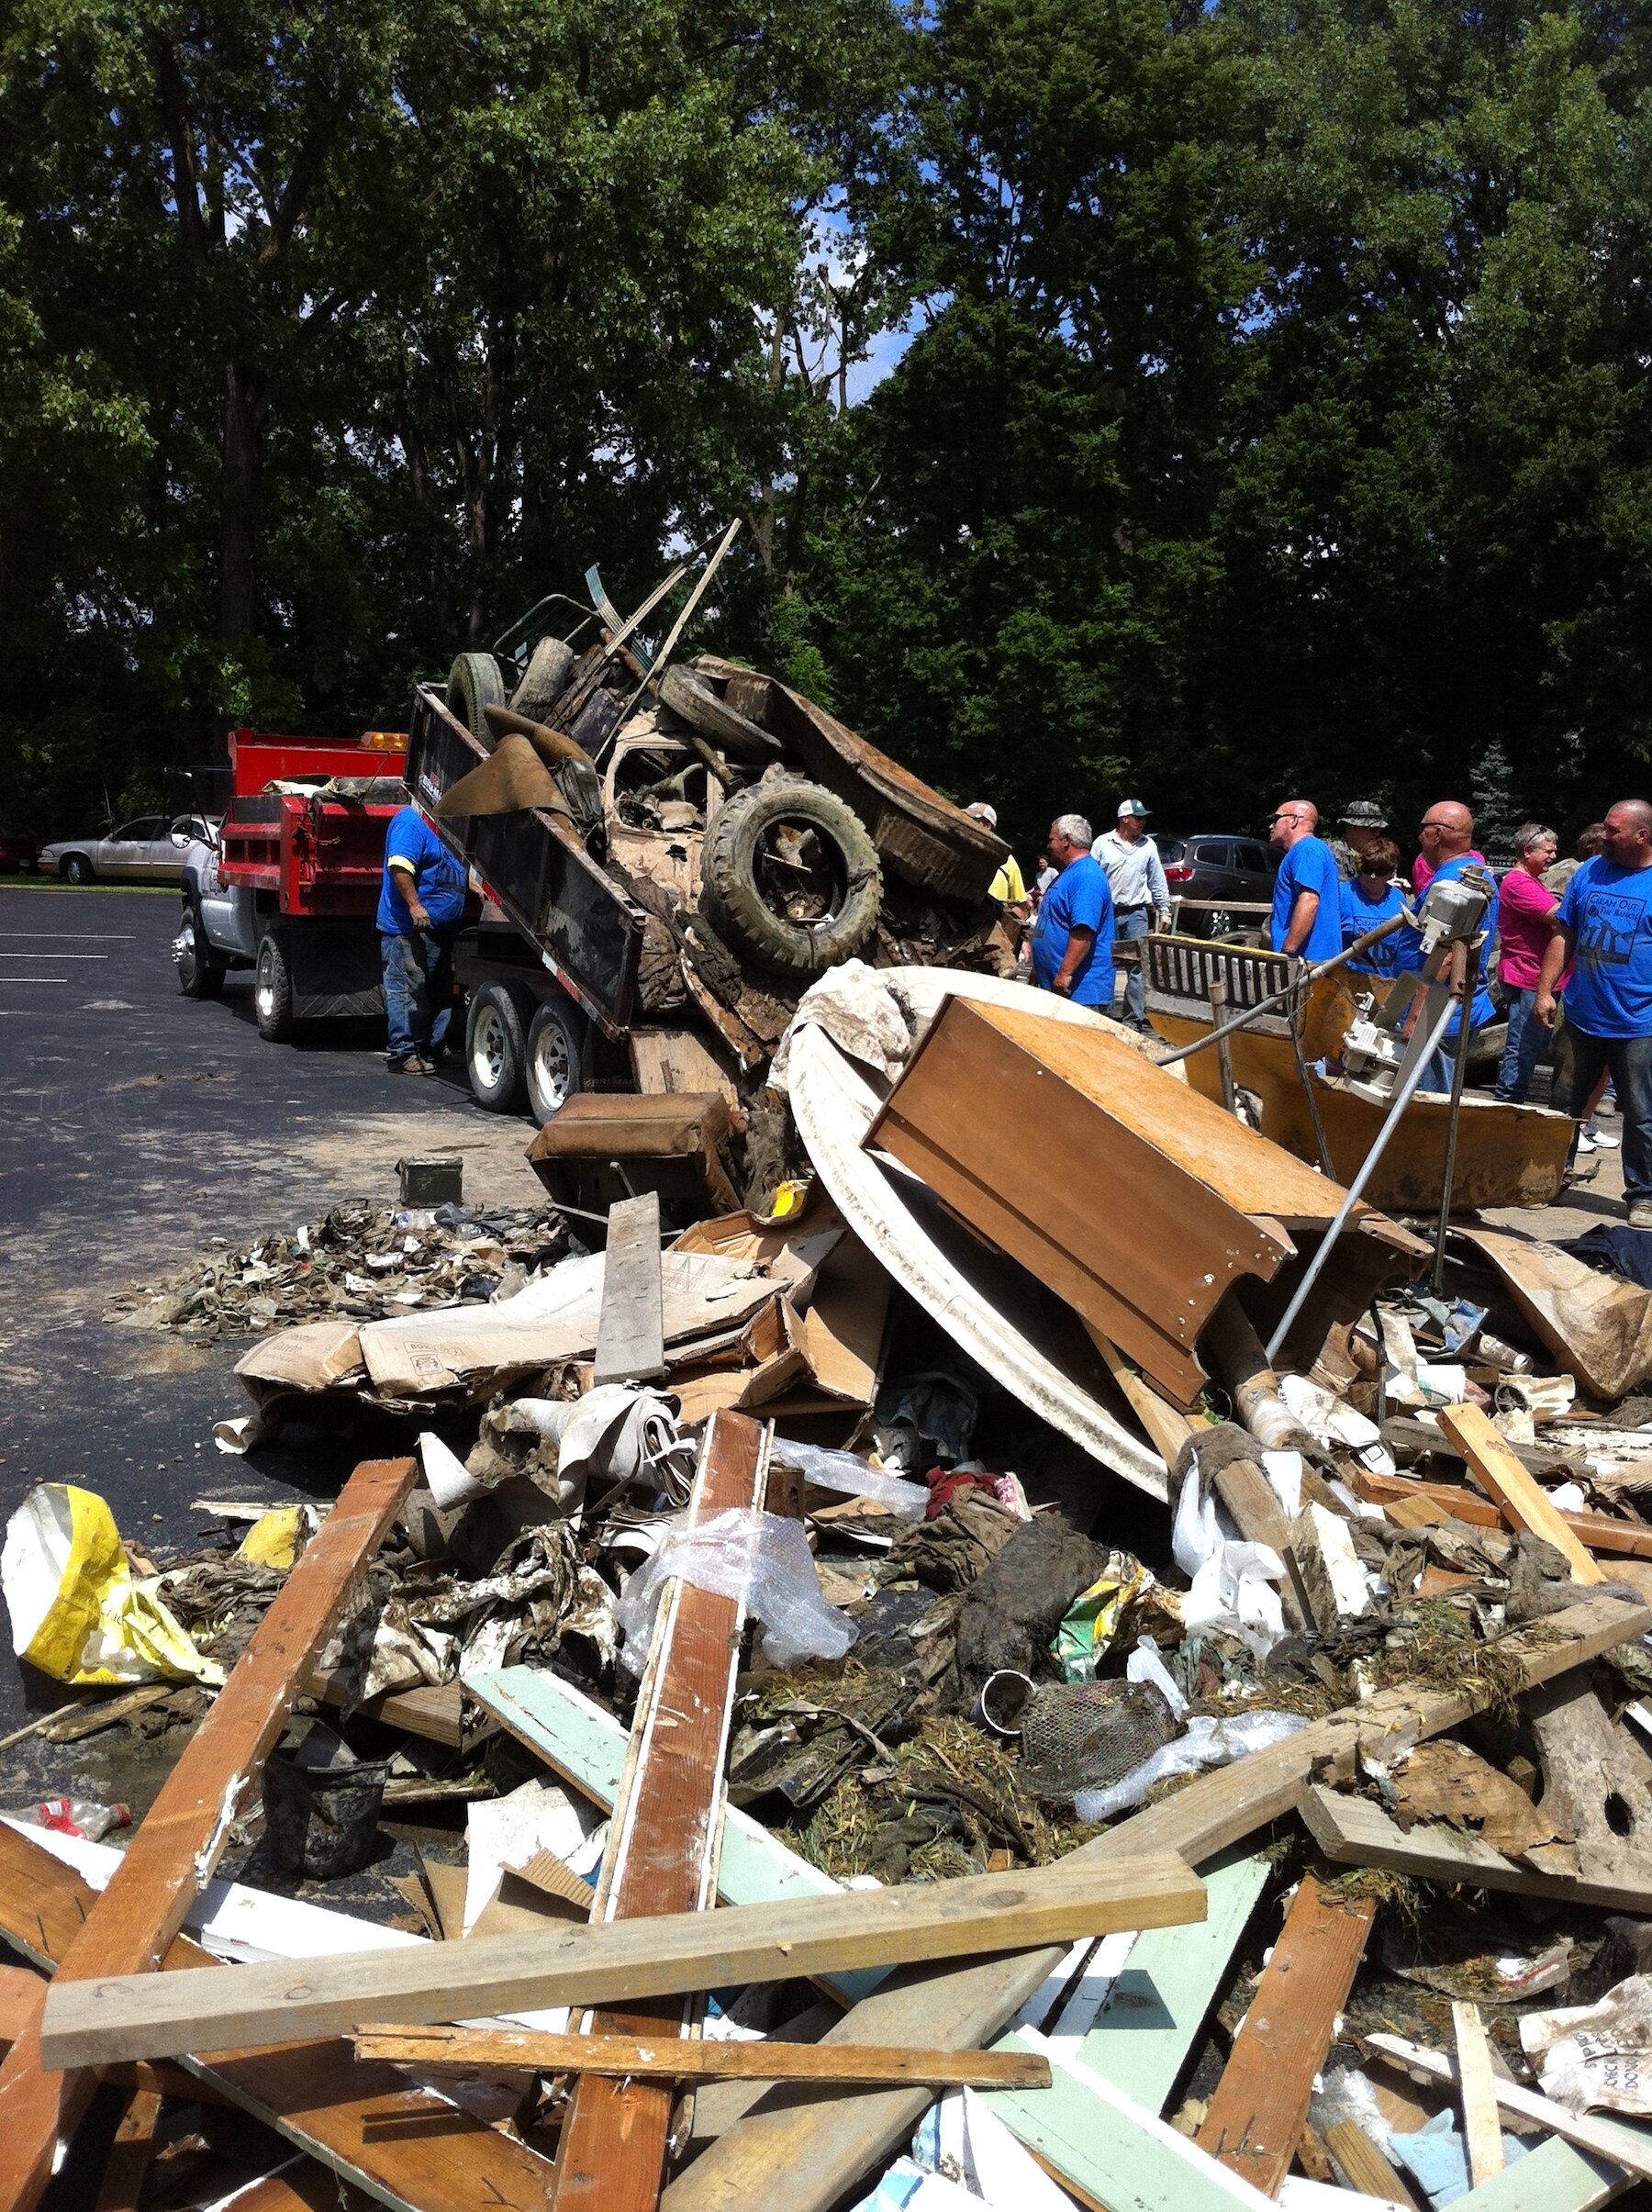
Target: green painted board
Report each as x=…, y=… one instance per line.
x=1552, y=2178
x=1158, y=2004
x=586, y=1746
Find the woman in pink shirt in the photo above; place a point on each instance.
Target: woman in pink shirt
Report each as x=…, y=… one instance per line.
x=1525, y=911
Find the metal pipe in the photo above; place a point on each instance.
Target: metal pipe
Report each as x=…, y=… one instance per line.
x=1402, y=1098
x=1459, y=1072
x=1312, y=974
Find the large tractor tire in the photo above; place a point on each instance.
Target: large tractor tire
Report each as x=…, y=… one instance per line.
x=475, y=684
x=692, y=698
x=791, y=877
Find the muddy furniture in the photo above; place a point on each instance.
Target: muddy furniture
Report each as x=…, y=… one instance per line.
x=605, y=1146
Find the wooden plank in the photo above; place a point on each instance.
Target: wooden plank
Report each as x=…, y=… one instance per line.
x=1552, y=2178
x=20, y=1997
x=1259, y=1517
x=169, y=1859
x=1353, y=1831
x=631, y=1326
x=1600, y=1532
x=585, y=1746
x=94, y=2022
x=129, y=2157
x=432, y=1711
x=1167, y=1429
x=1482, y=2130
x=1624, y=2145
x=1364, y=2166
x=811, y=2153
x=407, y=2147
x=690, y=2058
x=665, y=1834
x=1523, y=1503
x=1255, y=2116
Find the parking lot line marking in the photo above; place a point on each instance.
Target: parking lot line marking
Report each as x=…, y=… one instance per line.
x=34, y=978
x=57, y=955
x=91, y=936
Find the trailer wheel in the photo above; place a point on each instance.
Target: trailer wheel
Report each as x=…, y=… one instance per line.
x=547, y=677
x=272, y=988
x=555, y=1058
x=495, y=1049
x=199, y=976
x=475, y=684
x=791, y=878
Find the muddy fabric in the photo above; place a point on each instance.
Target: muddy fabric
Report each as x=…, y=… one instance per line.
x=960, y=1544
x=1010, y=1617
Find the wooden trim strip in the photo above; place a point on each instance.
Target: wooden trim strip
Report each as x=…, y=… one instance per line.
x=480, y=2050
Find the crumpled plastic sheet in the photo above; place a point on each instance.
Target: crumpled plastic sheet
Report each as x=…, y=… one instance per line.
x=1208, y=1743
x=759, y=1559
x=859, y=1013
x=1231, y=1580
x=846, y=1472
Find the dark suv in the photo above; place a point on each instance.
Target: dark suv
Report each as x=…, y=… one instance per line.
x=1214, y=869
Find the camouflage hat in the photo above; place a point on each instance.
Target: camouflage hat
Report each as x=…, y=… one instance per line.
x=1363, y=814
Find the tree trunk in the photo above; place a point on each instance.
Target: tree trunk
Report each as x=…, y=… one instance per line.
x=246, y=407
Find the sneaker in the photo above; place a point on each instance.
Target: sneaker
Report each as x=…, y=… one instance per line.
x=1640, y=1213
x=412, y=1066
x=1605, y=1139
x=1585, y=1143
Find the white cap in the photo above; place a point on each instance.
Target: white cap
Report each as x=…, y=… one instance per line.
x=1132, y=806
x=983, y=812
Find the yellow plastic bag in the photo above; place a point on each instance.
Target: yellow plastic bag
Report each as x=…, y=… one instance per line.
x=273, y=1539
x=76, y=1613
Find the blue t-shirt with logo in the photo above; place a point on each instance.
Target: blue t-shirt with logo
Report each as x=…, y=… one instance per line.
x=1359, y=915
x=1310, y=865
x=1610, y=909
x=439, y=879
x=1078, y=899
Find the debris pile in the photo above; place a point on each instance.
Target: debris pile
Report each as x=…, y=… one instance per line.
x=1142, y=1745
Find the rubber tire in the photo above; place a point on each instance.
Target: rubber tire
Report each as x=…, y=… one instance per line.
x=77, y=869
x=198, y=977
x=693, y=701
x=556, y=1030
x=549, y=672
x=475, y=683
x=272, y=988
x=501, y=1012
x=736, y=906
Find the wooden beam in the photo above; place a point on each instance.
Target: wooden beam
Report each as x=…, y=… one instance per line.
x=171, y=1858
x=129, y=2157
x=1630, y=2148
x=1255, y=2116
x=1600, y=1532
x=1167, y=1428
x=1353, y=1831
x=666, y=1831
x=630, y=1323
x=94, y=2022
x=808, y=2154
x=1365, y=2168
x=1482, y=2131
x=1523, y=1501
x=410, y=2148
x=475, y=2050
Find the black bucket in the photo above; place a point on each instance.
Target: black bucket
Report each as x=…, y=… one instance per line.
x=323, y=1821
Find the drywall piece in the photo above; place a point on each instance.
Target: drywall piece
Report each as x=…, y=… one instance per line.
x=475, y=2050
x=812, y=2153
x=1623, y=2145
x=410, y=2148
x=1523, y=1501
x=1594, y=1787
x=965, y=1289
x=171, y=1858
x=630, y=1327
x=1255, y=2116
x=1353, y=1831
x=94, y=2022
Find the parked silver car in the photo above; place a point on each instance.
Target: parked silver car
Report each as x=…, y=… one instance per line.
x=150, y=850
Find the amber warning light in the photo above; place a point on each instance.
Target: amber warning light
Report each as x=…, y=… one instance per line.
x=385, y=741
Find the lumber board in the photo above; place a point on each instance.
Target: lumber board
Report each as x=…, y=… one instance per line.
x=586, y=1747
x=478, y=2051
x=1554, y=2177
x=1521, y=1498
x=1600, y=1532
x=1482, y=2130
x=135, y=2017
x=408, y=2147
x=666, y=1829
x=432, y=1711
x=1364, y=2166
x=812, y=2151
x=1618, y=2140
x=173, y=1854
x=1256, y=2113
x=1353, y=1831
x=630, y=1322
x=131, y=2153
x=21, y=1994
x=1167, y=1429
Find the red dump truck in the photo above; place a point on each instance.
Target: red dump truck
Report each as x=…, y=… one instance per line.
x=289, y=884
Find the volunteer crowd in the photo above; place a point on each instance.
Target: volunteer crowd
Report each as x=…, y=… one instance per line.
x=1571, y=939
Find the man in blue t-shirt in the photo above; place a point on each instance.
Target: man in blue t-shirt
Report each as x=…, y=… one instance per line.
x=1605, y=923
x=1073, y=934
x=1307, y=900
x=421, y=906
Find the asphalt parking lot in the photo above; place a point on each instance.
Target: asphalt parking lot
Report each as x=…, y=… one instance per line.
x=135, y=1125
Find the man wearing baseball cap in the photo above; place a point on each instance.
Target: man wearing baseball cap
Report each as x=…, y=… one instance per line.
x=1006, y=886
x=1363, y=826
x=1136, y=875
